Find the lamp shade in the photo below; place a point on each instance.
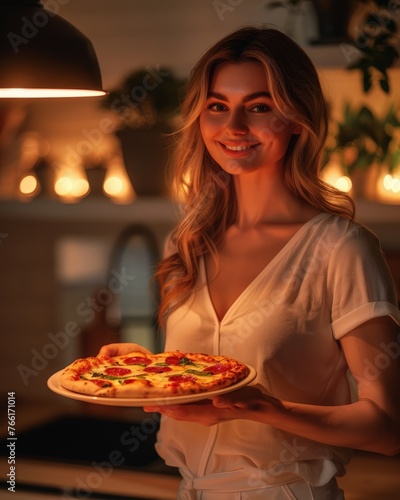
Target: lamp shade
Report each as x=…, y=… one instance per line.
x=43, y=55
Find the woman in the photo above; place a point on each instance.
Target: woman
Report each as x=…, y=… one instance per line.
x=268, y=267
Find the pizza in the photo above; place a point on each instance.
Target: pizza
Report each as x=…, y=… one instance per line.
x=142, y=375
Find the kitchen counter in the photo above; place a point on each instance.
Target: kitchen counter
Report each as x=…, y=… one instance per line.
x=41, y=475
x=87, y=481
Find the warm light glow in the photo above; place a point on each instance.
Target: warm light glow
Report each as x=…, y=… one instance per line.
x=343, y=183
x=388, y=187
x=80, y=188
x=332, y=174
x=28, y=184
x=71, y=186
x=117, y=185
x=387, y=182
x=391, y=183
x=25, y=93
x=113, y=186
x=63, y=186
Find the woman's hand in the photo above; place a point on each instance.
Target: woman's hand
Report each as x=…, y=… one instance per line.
x=120, y=349
x=252, y=399
x=241, y=404
x=203, y=413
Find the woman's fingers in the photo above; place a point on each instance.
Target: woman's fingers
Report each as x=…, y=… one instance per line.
x=119, y=349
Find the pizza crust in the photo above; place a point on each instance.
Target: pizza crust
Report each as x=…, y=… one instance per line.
x=140, y=375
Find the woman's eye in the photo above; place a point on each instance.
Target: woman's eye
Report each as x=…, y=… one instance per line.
x=260, y=108
x=217, y=107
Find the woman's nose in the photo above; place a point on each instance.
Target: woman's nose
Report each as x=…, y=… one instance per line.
x=237, y=124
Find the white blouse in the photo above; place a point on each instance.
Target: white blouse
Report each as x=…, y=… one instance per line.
x=328, y=279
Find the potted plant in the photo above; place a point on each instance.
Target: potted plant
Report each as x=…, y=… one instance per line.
x=376, y=37
x=363, y=140
x=374, y=32
x=146, y=105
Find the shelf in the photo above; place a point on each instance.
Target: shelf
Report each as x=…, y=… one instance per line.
x=153, y=209
x=382, y=219
x=94, y=209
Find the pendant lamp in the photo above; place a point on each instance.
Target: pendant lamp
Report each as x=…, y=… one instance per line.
x=43, y=55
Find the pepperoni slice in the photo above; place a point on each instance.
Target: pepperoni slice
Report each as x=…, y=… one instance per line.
x=116, y=371
x=157, y=369
x=137, y=360
x=173, y=360
x=218, y=368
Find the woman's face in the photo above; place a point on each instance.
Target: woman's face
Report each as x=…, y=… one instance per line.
x=240, y=125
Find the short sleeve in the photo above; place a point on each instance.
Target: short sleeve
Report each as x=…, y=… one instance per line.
x=359, y=282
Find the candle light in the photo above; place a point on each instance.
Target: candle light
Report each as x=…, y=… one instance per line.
x=388, y=187
x=29, y=185
x=333, y=175
x=117, y=185
x=71, y=185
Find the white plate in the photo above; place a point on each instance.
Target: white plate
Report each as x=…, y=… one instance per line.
x=54, y=385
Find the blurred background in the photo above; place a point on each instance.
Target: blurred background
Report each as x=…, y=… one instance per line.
x=85, y=204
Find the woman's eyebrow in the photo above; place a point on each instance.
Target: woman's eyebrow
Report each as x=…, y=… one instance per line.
x=217, y=95
x=250, y=97
x=257, y=95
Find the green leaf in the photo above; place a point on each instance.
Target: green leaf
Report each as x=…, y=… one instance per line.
x=385, y=85
x=383, y=59
x=185, y=361
x=199, y=373
x=105, y=376
x=391, y=117
x=395, y=160
x=367, y=81
x=371, y=135
x=366, y=115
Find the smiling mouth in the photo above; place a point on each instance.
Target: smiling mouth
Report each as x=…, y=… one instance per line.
x=240, y=148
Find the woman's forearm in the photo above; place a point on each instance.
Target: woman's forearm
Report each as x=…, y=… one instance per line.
x=361, y=425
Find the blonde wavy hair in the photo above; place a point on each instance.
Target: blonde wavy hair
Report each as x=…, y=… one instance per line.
x=209, y=197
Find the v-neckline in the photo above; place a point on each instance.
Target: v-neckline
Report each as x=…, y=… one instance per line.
x=289, y=244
